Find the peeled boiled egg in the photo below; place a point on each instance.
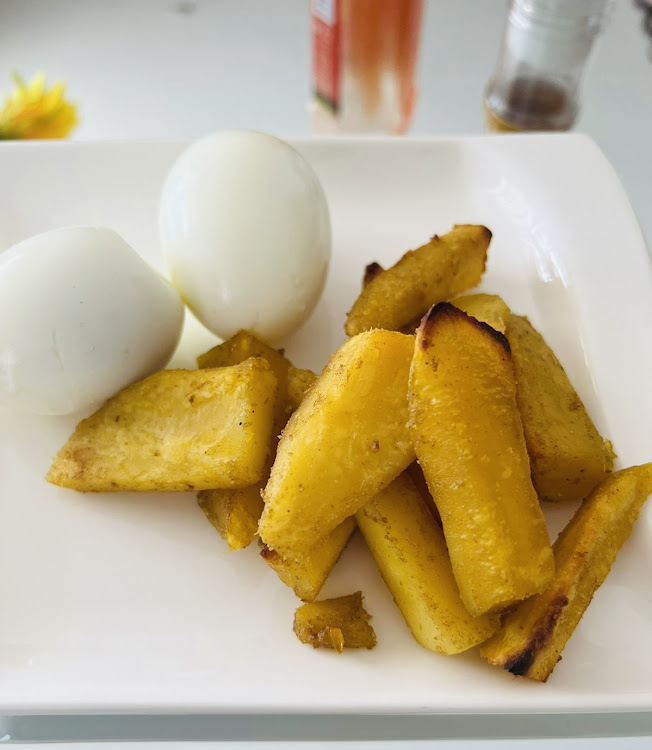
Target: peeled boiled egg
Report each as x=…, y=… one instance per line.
x=246, y=234
x=81, y=316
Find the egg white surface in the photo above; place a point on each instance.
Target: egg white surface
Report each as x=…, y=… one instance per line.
x=81, y=316
x=245, y=232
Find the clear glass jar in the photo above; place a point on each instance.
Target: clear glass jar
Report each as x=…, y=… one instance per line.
x=542, y=59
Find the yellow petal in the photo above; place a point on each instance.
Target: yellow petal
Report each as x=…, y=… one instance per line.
x=33, y=111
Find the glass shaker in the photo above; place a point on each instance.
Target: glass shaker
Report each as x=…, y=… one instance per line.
x=545, y=48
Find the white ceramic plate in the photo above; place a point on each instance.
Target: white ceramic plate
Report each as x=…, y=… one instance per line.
x=133, y=604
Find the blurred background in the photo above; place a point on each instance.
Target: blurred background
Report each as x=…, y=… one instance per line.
x=177, y=69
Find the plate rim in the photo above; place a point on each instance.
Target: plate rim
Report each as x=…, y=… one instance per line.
x=629, y=702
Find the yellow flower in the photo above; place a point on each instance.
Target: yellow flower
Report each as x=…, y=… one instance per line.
x=34, y=112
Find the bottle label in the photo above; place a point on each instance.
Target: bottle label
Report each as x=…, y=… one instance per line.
x=325, y=33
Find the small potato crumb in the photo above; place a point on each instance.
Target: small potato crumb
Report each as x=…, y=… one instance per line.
x=335, y=623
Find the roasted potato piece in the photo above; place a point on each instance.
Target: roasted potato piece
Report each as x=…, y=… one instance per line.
x=410, y=552
x=567, y=455
x=534, y=634
x=469, y=441
x=306, y=575
x=299, y=383
x=176, y=430
x=487, y=308
x=235, y=512
x=239, y=347
x=244, y=345
x=416, y=475
x=335, y=623
x=370, y=272
x=444, y=267
x=346, y=441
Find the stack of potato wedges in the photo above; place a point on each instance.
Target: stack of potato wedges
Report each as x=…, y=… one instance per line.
x=438, y=428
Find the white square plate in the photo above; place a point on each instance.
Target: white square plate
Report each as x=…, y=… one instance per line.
x=133, y=604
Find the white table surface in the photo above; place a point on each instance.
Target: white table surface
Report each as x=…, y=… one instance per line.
x=639, y=743
x=177, y=69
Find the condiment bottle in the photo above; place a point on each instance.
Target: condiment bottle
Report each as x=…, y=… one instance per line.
x=364, y=55
x=543, y=56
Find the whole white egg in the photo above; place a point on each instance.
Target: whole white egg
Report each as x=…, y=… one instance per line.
x=81, y=316
x=246, y=234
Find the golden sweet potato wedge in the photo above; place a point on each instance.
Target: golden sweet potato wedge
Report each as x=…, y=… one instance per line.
x=335, y=623
x=299, y=383
x=416, y=475
x=567, y=455
x=370, y=272
x=176, y=430
x=410, y=552
x=308, y=573
x=235, y=512
x=442, y=268
x=239, y=347
x=487, y=308
x=346, y=441
x=534, y=634
x=469, y=441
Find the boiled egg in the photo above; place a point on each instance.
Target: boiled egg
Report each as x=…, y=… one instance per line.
x=81, y=316
x=245, y=232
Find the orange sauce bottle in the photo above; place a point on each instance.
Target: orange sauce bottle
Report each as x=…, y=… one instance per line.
x=364, y=57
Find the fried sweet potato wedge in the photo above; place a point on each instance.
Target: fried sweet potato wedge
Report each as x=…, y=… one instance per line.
x=567, y=454
x=533, y=635
x=335, y=623
x=346, y=441
x=370, y=272
x=469, y=440
x=308, y=573
x=175, y=430
x=299, y=383
x=416, y=475
x=410, y=551
x=487, y=308
x=235, y=512
x=442, y=268
x=241, y=347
